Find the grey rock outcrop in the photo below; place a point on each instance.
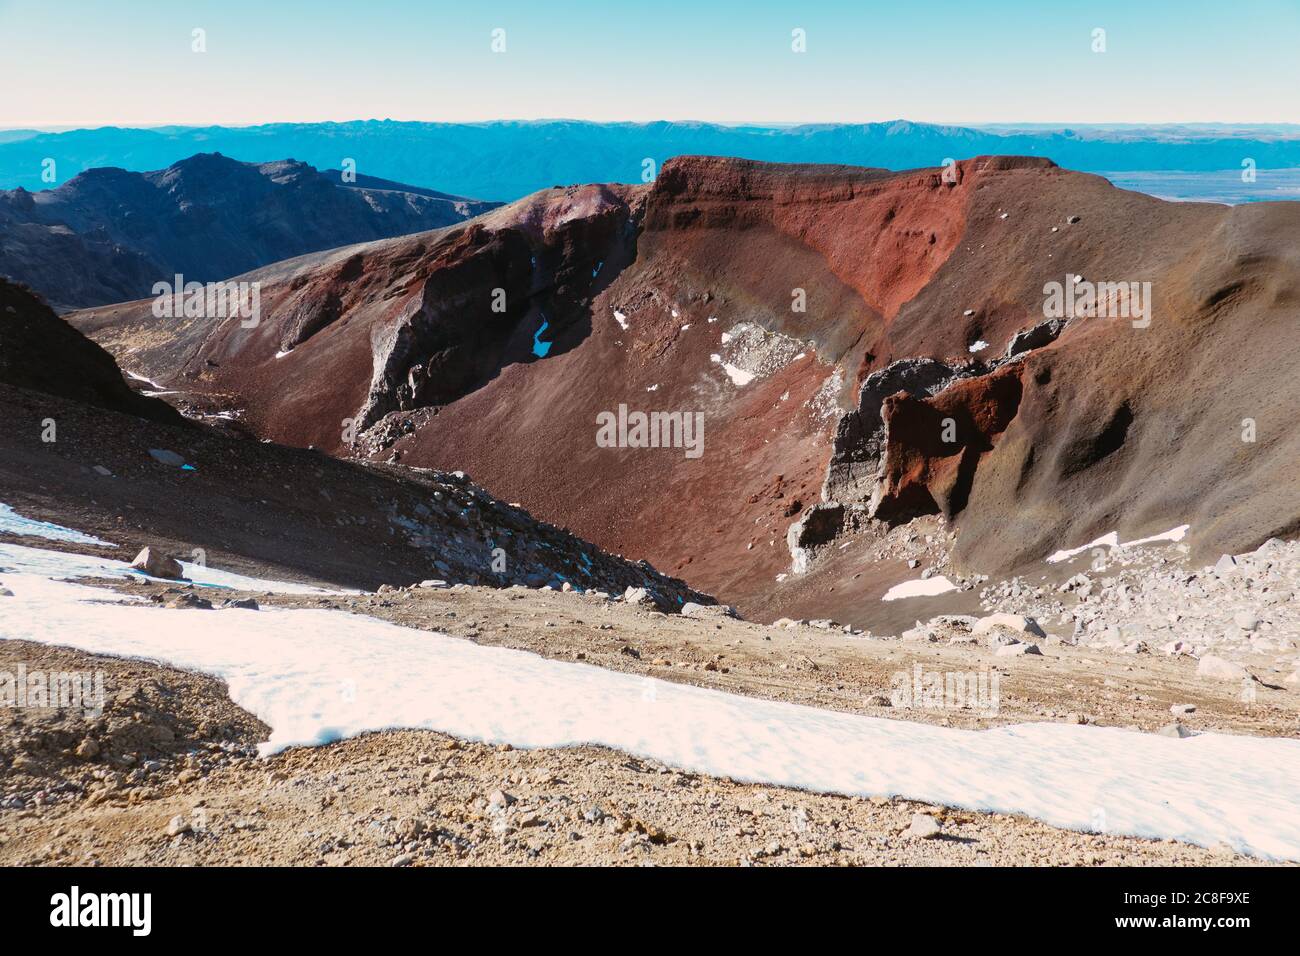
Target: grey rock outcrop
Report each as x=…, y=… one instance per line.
x=858, y=442
x=1045, y=333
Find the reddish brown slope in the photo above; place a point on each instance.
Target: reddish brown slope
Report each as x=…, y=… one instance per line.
x=1112, y=426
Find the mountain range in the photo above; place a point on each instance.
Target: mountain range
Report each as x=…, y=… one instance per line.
x=109, y=234
x=508, y=160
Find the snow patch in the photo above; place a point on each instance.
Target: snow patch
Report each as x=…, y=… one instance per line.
x=739, y=377
x=58, y=564
x=1111, y=540
x=11, y=522
x=926, y=587
x=141, y=378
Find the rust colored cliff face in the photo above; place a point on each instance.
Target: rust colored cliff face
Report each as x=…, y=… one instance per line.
x=934, y=445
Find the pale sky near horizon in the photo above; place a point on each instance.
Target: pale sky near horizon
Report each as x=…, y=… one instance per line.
x=131, y=63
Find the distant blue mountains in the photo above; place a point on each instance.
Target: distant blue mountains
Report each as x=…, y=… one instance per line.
x=508, y=159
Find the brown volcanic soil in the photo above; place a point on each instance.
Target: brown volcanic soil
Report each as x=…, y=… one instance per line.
x=1116, y=427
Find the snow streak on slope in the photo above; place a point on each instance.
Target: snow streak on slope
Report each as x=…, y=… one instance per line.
x=11, y=522
x=1111, y=540
x=316, y=676
x=16, y=557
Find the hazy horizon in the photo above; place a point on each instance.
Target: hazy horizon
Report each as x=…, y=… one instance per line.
x=85, y=65
x=1002, y=125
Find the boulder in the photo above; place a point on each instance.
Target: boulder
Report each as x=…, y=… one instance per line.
x=1044, y=333
x=1246, y=620
x=923, y=827
x=639, y=597
x=156, y=564
x=1216, y=668
x=1018, y=649
x=1080, y=582
x=691, y=609
x=166, y=457
x=933, y=446
x=189, y=601
x=1226, y=564
x=1015, y=623
x=241, y=604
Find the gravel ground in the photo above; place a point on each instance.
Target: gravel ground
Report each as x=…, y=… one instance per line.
x=167, y=774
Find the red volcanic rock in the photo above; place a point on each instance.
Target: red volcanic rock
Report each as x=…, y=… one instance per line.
x=934, y=445
x=768, y=299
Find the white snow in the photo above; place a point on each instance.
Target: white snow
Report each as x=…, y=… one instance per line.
x=978, y=346
x=283, y=353
x=1111, y=540
x=11, y=522
x=1173, y=534
x=621, y=319
x=739, y=377
x=316, y=676
x=141, y=378
x=923, y=587
x=39, y=561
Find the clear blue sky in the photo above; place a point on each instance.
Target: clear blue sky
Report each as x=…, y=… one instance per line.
x=129, y=63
